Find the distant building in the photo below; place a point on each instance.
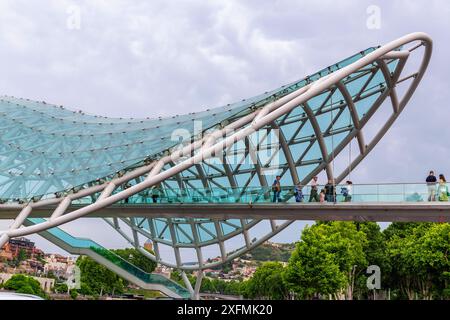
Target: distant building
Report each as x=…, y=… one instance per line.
x=61, y=266
x=6, y=254
x=15, y=245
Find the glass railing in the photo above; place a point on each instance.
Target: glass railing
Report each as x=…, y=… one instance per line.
x=139, y=273
x=115, y=259
x=81, y=243
x=392, y=192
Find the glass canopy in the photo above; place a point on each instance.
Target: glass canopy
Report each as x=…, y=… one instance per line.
x=45, y=149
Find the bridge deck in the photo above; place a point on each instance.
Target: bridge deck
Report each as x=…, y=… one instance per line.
x=388, y=212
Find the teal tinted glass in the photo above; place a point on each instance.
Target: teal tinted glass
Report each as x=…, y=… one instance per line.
x=46, y=148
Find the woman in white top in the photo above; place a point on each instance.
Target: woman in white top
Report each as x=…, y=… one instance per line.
x=347, y=191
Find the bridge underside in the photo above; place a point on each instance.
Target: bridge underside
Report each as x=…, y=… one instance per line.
x=379, y=212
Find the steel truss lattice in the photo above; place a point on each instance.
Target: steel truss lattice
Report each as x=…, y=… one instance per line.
x=51, y=156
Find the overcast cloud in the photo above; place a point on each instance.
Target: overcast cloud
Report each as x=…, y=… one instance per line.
x=151, y=58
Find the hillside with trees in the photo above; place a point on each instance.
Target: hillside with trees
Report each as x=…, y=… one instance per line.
x=271, y=252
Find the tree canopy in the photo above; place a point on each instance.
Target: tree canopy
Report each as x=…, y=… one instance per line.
x=24, y=284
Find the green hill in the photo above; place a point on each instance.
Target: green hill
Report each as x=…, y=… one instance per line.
x=271, y=252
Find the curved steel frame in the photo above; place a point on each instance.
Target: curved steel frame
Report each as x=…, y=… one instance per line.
x=214, y=144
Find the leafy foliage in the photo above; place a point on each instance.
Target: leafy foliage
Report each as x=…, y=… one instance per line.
x=97, y=279
x=24, y=284
x=267, y=282
x=268, y=252
x=136, y=258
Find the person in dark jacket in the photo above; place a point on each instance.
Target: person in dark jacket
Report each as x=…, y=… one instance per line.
x=431, y=185
x=330, y=192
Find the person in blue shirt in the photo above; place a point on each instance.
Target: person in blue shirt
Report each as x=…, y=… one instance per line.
x=276, y=189
x=298, y=193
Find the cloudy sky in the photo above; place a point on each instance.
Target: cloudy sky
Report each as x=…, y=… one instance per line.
x=157, y=58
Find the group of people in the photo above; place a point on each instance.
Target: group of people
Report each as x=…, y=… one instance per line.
x=327, y=194
x=437, y=190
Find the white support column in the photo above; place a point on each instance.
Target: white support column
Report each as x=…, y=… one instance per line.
x=135, y=234
x=175, y=247
x=273, y=225
x=187, y=283
x=198, y=285
x=107, y=191
x=197, y=241
x=61, y=208
x=247, y=239
x=223, y=252
x=287, y=153
x=155, y=243
x=3, y=239
x=319, y=136
x=354, y=114
x=156, y=169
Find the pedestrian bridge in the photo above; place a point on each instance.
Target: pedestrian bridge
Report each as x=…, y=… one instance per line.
x=392, y=202
x=58, y=165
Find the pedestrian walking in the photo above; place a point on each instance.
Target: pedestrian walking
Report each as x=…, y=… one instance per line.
x=314, y=195
x=276, y=189
x=298, y=193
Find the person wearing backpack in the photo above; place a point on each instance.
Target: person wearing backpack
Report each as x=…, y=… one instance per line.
x=347, y=191
x=276, y=189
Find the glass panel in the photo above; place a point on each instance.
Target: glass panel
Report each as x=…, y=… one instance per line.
x=115, y=259
x=56, y=149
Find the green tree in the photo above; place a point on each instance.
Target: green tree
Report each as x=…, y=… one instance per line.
x=22, y=255
x=61, y=288
x=326, y=260
x=97, y=279
x=375, y=250
x=136, y=258
x=267, y=282
x=418, y=254
x=74, y=294
x=24, y=284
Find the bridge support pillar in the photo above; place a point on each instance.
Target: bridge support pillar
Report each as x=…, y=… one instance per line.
x=3, y=239
x=198, y=284
x=187, y=283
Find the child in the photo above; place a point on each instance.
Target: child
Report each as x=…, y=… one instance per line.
x=322, y=196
